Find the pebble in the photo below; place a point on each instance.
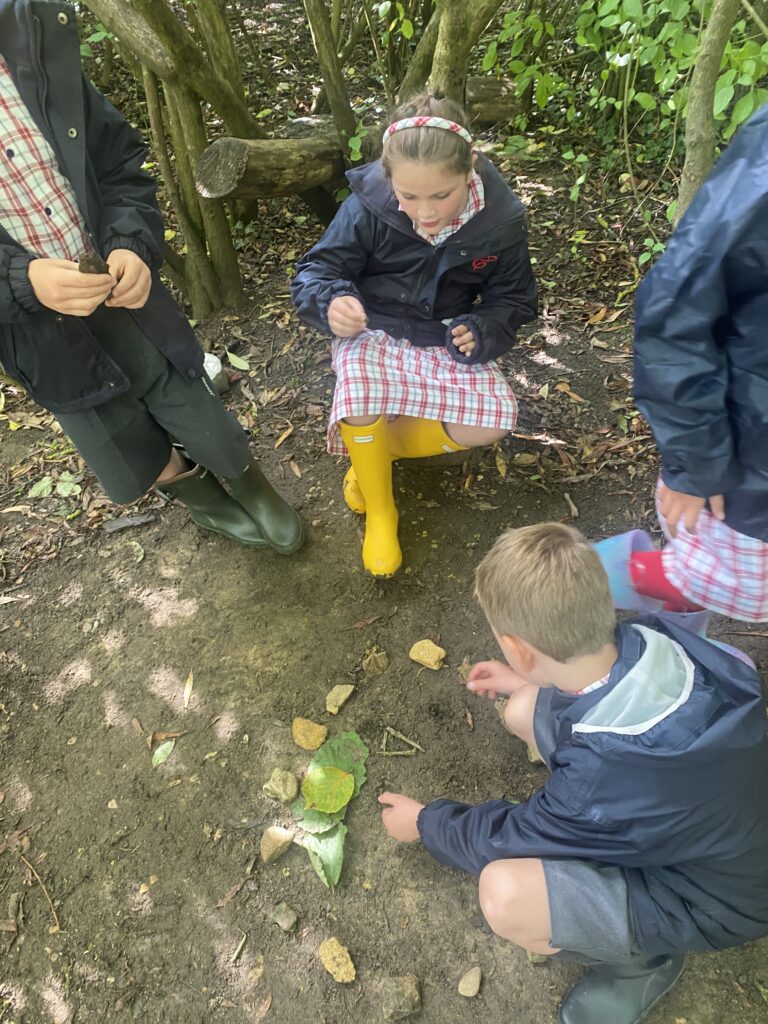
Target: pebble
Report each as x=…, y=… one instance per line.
x=308, y=734
x=428, y=654
x=400, y=996
x=336, y=960
x=274, y=843
x=338, y=697
x=282, y=785
x=469, y=985
x=375, y=662
x=285, y=916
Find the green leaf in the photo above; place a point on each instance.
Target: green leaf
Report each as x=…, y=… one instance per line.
x=633, y=9
x=326, y=852
x=385, y=8
x=646, y=101
x=163, y=752
x=237, y=361
x=315, y=821
x=723, y=97
x=265, y=112
x=490, y=56
x=327, y=788
x=42, y=488
x=66, y=485
x=346, y=751
x=742, y=110
x=406, y=29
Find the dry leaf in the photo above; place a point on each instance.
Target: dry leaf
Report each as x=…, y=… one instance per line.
x=501, y=464
x=188, y=689
x=544, y=391
x=161, y=737
x=566, y=389
x=263, y=1010
x=295, y=469
x=285, y=434
x=469, y=718
x=231, y=893
x=597, y=317
x=465, y=668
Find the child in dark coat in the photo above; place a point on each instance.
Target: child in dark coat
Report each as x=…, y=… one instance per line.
x=109, y=353
x=424, y=279
x=650, y=836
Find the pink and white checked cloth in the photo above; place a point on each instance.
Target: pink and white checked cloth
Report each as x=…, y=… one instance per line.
x=718, y=568
x=381, y=375
x=475, y=203
x=38, y=207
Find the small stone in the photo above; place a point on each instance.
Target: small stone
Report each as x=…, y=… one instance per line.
x=469, y=985
x=375, y=662
x=534, y=756
x=338, y=697
x=336, y=960
x=281, y=785
x=427, y=654
x=274, y=843
x=400, y=996
x=537, y=958
x=285, y=916
x=112, y=805
x=307, y=734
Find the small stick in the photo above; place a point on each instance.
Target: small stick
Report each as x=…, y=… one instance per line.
x=399, y=736
x=571, y=506
x=236, y=955
x=50, y=901
x=397, y=753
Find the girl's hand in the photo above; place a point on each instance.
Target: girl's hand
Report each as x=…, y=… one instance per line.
x=59, y=285
x=134, y=279
x=676, y=506
x=346, y=316
x=463, y=339
x=490, y=678
x=399, y=816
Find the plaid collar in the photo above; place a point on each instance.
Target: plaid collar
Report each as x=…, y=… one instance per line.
x=592, y=686
x=475, y=203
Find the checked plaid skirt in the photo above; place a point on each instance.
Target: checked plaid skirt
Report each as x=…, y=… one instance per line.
x=380, y=375
x=718, y=568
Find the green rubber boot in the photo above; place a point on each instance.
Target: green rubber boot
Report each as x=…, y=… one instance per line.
x=621, y=993
x=278, y=523
x=211, y=507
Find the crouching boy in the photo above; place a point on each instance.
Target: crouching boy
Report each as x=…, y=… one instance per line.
x=650, y=836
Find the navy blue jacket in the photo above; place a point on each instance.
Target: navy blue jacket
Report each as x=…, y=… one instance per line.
x=57, y=358
x=680, y=804
x=407, y=286
x=701, y=338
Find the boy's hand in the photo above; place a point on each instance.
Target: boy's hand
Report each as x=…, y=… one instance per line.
x=346, y=316
x=676, y=506
x=490, y=678
x=59, y=285
x=463, y=339
x=399, y=816
x=134, y=279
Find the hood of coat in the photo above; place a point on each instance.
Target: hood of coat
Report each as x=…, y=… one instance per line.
x=502, y=207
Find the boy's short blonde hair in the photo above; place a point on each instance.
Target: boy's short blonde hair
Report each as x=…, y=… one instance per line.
x=545, y=585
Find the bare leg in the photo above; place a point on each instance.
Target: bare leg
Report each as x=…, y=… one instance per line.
x=518, y=715
x=361, y=421
x=176, y=465
x=473, y=437
x=514, y=900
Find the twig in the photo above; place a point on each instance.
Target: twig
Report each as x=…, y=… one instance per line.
x=399, y=736
x=40, y=881
x=241, y=945
x=755, y=17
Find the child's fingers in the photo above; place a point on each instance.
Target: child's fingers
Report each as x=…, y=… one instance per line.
x=717, y=505
x=390, y=799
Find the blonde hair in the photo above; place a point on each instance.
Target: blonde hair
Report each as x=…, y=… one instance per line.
x=545, y=584
x=428, y=145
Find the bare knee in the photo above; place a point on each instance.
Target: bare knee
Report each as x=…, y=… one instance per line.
x=498, y=890
x=473, y=437
x=518, y=714
x=360, y=421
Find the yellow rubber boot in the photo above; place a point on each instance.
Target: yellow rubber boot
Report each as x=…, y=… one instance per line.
x=414, y=438
x=368, y=449
x=352, y=493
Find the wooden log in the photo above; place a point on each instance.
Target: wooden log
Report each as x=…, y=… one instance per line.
x=245, y=168
x=491, y=100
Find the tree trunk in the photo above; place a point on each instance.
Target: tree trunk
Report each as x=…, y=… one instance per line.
x=491, y=100
x=245, y=168
x=219, y=43
x=460, y=27
x=421, y=62
x=336, y=89
x=700, y=132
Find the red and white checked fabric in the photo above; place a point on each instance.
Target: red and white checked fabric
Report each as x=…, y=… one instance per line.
x=38, y=207
x=380, y=375
x=475, y=203
x=428, y=121
x=718, y=568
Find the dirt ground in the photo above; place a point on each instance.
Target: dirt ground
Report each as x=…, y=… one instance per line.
x=154, y=874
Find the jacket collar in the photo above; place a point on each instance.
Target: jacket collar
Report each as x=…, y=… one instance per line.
x=371, y=185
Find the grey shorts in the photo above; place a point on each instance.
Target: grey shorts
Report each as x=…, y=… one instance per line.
x=588, y=902
x=126, y=441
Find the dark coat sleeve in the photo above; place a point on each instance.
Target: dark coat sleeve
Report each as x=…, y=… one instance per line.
x=17, y=299
x=131, y=217
x=330, y=267
x=554, y=823
x=509, y=299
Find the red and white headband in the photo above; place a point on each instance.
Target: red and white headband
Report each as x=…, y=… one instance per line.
x=429, y=122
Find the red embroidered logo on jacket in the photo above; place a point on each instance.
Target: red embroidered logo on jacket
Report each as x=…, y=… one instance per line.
x=483, y=261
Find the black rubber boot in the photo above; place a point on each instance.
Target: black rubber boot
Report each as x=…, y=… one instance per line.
x=621, y=993
x=211, y=507
x=277, y=521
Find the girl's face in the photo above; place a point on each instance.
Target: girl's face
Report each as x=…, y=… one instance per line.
x=431, y=194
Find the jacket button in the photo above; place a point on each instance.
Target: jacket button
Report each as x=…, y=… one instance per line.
x=403, y=296
x=63, y=19
x=463, y=252
x=59, y=319
x=191, y=373
x=72, y=133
